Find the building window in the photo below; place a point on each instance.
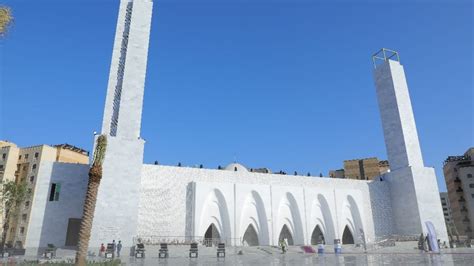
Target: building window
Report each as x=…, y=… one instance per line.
x=54, y=194
x=23, y=217
x=472, y=195
x=30, y=191
x=34, y=166
x=22, y=230
x=24, y=167
x=36, y=154
x=469, y=175
x=1, y=166
x=26, y=156
x=471, y=185
x=445, y=209
x=4, y=156
x=32, y=178
x=27, y=204
x=19, y=157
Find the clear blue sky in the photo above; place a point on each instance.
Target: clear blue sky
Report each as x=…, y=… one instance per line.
x=279, y=84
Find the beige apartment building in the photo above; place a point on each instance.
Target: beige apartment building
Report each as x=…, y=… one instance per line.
x=22, y=165
x=459, y=176
x=361, y=169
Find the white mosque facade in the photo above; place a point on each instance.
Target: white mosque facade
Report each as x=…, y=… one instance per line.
x=233, y=205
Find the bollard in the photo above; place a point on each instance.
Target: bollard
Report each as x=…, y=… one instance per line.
x=338, y=249
x=337, y=246
x=320, y=249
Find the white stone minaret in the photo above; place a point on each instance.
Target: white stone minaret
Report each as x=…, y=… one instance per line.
x=414, y=188
x=116, y=212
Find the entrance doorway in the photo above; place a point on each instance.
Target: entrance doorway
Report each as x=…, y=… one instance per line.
x=250, y=236
x=286, y=234
x=72, y=235
x=347, y=237
x=212, y=236
x=317, y=237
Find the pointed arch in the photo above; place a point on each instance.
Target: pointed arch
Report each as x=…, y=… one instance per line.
x=321, y=215
x=250, y=236
x=212, y=232
x=347, y=236
x=317, y=237
x=253, y=213
x=215, y=212
x=353, y=219
x=289, y=216
x=286, y=235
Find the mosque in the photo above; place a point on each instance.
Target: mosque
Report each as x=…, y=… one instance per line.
x=235, y=205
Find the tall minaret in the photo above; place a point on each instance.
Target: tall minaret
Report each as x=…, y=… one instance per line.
x=414, y=188
x=123, y=105
x=116, y=212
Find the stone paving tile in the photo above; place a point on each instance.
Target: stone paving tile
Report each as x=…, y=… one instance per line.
x=402, y=254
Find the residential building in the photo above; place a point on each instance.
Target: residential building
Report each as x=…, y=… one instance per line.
x=446, y=207
x=361, y=169
x=337, y=173
x=8, y=160
x=23, y=165
x=458, y=173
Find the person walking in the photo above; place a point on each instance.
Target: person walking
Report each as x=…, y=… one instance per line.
x=114, y=248
x=119, y=248
x=101, y=250
x=283, y=246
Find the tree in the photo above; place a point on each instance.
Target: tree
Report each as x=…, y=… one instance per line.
x=13, y=195
x=5, y=19
x=95, y=175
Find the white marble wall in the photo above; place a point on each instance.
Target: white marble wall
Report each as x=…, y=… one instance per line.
x=116, y=211
x=301, y=202
x=48, y=220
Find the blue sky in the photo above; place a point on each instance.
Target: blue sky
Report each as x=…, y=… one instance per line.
x=279, y=84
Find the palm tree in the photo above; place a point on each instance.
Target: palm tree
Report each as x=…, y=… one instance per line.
x=95, y=175
x=5, y=19
x=13, y=194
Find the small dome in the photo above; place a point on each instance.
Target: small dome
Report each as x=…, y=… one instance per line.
x=236, y=167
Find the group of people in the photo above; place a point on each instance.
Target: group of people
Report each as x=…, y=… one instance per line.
x=424, y=243
x=115, y=248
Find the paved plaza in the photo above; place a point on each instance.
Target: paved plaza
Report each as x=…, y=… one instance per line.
x=403, y=253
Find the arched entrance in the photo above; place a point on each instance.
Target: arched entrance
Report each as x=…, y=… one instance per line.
x=347, y=237
x=285, y=234
x=212, y=236
x=317, y=237
x=250, y=236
